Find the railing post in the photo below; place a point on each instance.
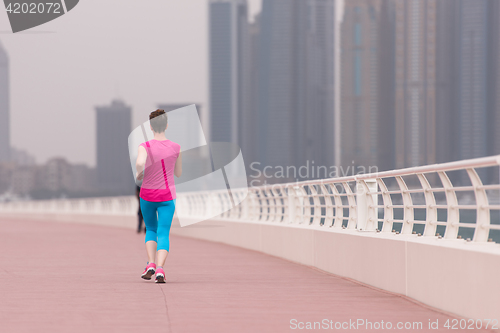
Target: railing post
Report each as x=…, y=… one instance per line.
x=365, y=204
x=295, y=203
x=291, y=204
x=482, y=229
x=453, y=213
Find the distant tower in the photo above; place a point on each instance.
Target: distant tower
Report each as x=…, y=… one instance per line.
x=114, y=125
x=415, y=78
x=447, y=132
x=296, y=82
x=319, y=101
x=280, y=62
x=4, y=106
x=228, y=37
x=495, y=55
x=362, y=48
x=250, y=121
x=474, y=85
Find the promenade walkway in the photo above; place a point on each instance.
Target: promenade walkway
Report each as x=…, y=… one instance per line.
x=64, y=277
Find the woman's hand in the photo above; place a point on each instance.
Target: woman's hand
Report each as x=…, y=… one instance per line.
x=178, y=166
x=142, y=155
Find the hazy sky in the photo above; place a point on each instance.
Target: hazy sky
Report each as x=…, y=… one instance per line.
x=142, y=52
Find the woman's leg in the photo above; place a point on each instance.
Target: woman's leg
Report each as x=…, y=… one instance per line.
x=151, y=221
x=165, y=215
x=151, y=250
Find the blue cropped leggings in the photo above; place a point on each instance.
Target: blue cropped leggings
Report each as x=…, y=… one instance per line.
x=158, y=220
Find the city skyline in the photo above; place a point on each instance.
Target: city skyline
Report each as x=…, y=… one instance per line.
x=441, y=49
x=433, y=86
x=272, y=80
x=76, y=69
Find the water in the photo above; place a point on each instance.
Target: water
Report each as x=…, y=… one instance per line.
x=466, y=216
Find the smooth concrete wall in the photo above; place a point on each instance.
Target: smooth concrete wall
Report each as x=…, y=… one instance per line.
x=455, y=279
x=452, y=275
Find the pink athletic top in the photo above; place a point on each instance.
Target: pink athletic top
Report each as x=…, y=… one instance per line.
x=158, y=183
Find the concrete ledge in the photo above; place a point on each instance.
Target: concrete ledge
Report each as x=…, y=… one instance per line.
x=456, y=280
x=380, y=263
x=452, y=275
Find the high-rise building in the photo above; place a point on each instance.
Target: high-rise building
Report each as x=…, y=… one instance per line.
x=227, y=38
x=386, y=102
x=277, y=108
x=114, y=124
x=250, y=121
x=494, y=117
x=474, y=84
x=279, y=104
x=296, y=82
x=4, y=106
x=415, y=79
x=6, y=171
x=446, y=81
x=367, y=85
x=319, y=105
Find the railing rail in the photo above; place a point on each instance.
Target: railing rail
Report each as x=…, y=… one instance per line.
x=370, y=202
x=421, y=200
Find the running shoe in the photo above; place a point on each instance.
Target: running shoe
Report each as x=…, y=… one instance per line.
x=160, y=276
x=149, y=271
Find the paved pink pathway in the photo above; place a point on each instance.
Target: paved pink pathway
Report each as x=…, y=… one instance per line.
x=62, y=277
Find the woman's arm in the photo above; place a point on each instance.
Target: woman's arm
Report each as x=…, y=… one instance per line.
x=140, y=163
x=178, y=166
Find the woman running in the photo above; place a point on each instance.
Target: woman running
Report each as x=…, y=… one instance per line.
x=157, y=162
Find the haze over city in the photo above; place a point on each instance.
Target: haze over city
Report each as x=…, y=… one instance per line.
x=363, y=85
x=145, y=54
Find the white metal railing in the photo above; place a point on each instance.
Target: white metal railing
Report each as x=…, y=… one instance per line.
x=384, y=202
x=421, y=200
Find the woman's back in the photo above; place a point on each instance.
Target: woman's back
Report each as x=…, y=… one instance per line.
x=158, y=183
